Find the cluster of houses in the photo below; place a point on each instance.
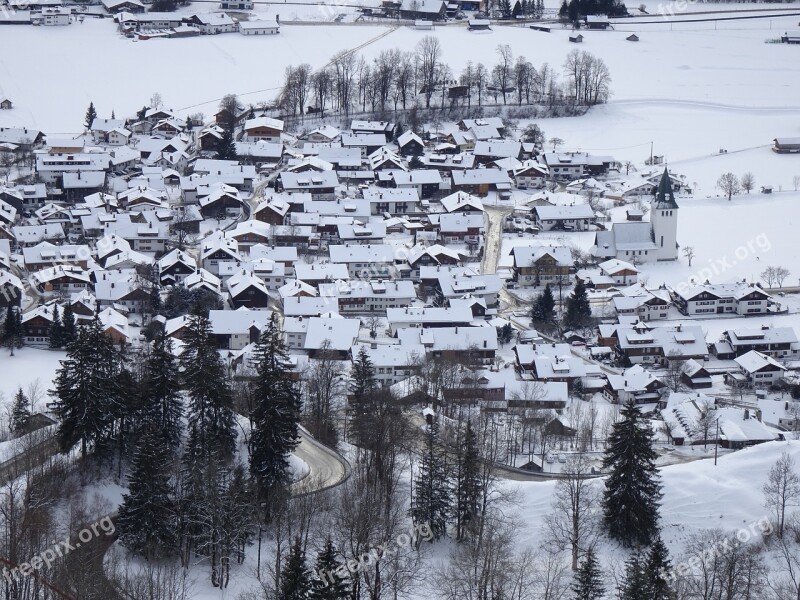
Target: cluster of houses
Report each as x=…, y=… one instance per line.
x=365, y=239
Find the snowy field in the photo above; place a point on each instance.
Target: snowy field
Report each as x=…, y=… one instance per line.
x=720, y=70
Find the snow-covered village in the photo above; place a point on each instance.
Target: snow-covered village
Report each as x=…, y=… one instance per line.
x=399, y=299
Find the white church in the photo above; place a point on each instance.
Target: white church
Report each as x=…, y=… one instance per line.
x=639, y=241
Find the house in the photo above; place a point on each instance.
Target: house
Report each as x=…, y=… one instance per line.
x=540, y=265
x=479, y=25
x=460, y=228
x=481, y=181
x=11, y=290
x=462, y=202
x=391, y=363
x=573, y=217
x=384, y=128
x=259, y=27
x=213, y=23
x=235, y=329
x=427, y=10
x=787, y=145
x=217, y=250
x=725, y=298
x=694, y=375
x=56, y=15
x=597, y=22
x=776, y=342
x=428, y=316
x=759, y=369
x=36, y=324
x=621, y=272
x=247, y=290
x=410, y=144
x=365, y=261
x=427, y=182
x=395, y=201
x=640, y=242
x=369, y=297
x=641, y=304
x=236, y=5
x=531, y=175
x=333, y=334
x=219, y=200
x=641, y=343
x=470, y=344
x=791, y=37
x=263, y=129
x=321, y=186
x=175, y=266
x=6, y=104
x=576, y=39
x=635, y=383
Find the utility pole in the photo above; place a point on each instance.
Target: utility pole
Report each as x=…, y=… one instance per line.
x=651, y=154
x=716, y=446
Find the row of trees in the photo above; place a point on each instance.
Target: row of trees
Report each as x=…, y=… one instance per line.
x=189, y=493
x=395, y=79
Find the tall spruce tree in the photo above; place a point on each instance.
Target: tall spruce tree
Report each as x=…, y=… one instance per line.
x=295, y=578
x=146, y=520
x=69, y=331
x=362, y=389
x=579, y=312
x=634, y=585
x=544, y=306
x=210, y=401
x=431, y=503
x=277, y=412
x=12, y=329
x=56, y=330
x=20, y=413
x=227, y=145
x=326, y=584
x=91, y=115
x=88, y=398
x=588, y=584
x=162, y=405
x=658, y=568
x=468, y=483
x=633, y=490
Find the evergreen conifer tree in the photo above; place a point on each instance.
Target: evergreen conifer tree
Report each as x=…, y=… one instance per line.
x=633, y=489
x=69, y=331
x=162, y=406
x=277, y=413
x=588, y=584
x=12, y=329
x=88, y=398
x=431, y=502
x=362, y=389
x=468, y=484
x=56, y=330
x=227, y=145
x=544, y=306
x=295, y=577
x=91, y=115
x=634, y=584
x=326, y=585
x=146, y=520
x=579, y=312
x=657, y=569
x=20, y=413
x=563, y=12
x=210, y=402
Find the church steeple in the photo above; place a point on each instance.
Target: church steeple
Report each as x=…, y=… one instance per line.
x=665, y=198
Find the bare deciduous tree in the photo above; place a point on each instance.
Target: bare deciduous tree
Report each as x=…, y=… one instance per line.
x=729, y=184
x=688, y=252
x=782, y=489
x=748, y=182
x=574, y=523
